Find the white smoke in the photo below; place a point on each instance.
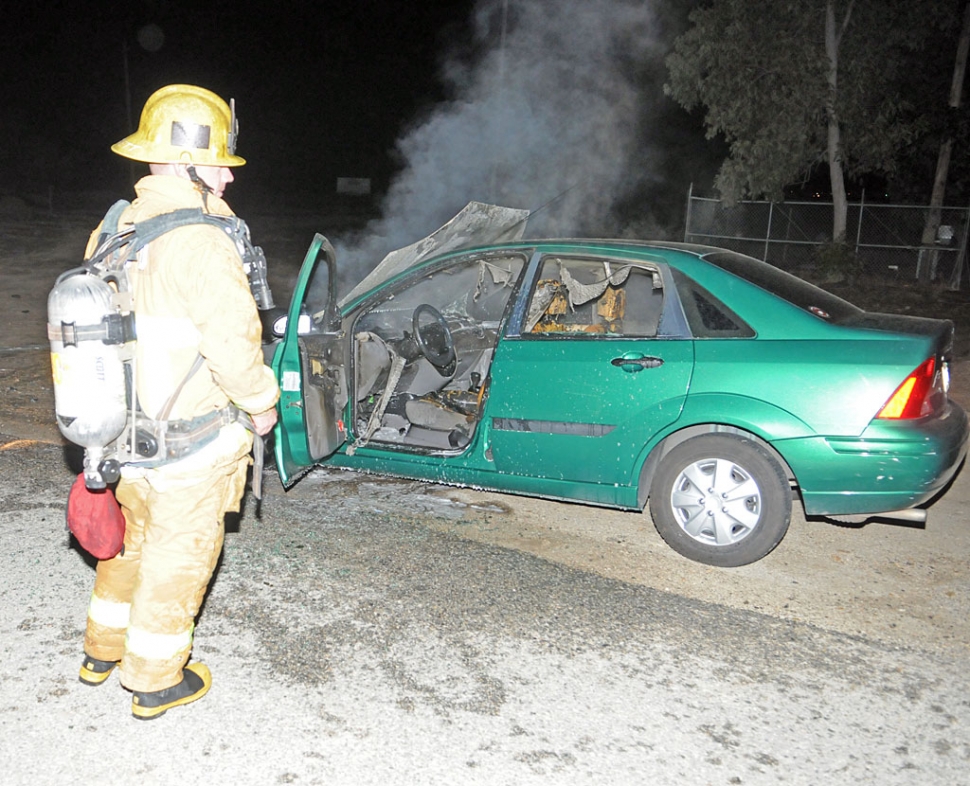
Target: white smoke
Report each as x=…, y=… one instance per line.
x=545, y=114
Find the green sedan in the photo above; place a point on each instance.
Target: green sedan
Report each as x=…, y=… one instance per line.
x=707, y=385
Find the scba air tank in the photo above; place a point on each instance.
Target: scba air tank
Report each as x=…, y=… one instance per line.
x=89, y=374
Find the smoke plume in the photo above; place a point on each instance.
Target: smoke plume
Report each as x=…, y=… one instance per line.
x=544, y=113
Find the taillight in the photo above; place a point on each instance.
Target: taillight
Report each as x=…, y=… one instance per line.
x=922, y=393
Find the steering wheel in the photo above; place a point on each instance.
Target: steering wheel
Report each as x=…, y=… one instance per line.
x=434, y=339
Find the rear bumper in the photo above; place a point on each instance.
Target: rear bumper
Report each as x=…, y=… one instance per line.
x=893, y=465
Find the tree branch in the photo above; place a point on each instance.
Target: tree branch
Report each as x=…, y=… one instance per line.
x=845, y=24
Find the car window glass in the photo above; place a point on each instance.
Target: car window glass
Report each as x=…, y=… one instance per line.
x=800, y=293
x=596, y=297
x=707, y=316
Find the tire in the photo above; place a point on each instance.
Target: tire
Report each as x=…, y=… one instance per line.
x=751, y=521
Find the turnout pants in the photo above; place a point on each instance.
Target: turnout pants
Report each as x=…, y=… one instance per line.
x=145, y=600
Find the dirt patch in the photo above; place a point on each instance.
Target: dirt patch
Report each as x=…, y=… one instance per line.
x=899, y=584
x=27, y=395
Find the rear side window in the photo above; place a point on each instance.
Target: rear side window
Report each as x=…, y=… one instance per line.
x=799, y=293
x=595, y=297
x=707, y=316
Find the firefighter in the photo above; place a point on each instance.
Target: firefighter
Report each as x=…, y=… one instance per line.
x=191, y=300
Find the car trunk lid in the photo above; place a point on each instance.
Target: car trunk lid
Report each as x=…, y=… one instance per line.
x=940, y=331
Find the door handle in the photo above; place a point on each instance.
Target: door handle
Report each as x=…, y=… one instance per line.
x=634, y=364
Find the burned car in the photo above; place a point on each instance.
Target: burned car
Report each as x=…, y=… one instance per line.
x=705, y=384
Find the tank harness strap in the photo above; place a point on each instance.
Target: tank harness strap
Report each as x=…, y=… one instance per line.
x=166, y=409
x=158, y=442
x=113, y=329
x=109, y=225
x=151, y=228
x=178, y=438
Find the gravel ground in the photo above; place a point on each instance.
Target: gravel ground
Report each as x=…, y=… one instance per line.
x=358, y=636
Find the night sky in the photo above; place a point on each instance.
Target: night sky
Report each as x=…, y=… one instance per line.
x=552, y=104
x=322, y=89
x=519, y=102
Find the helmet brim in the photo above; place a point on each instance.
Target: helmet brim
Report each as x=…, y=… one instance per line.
x=130, y=147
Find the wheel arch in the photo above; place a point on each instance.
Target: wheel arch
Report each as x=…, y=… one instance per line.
x=671, y=441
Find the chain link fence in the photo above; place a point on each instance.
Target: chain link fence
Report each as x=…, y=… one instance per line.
x=884, y=240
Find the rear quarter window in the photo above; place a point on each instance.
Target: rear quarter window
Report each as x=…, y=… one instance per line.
x=707, y=316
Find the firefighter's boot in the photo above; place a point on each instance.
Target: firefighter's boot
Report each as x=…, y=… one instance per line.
x=94, y=671
x=196, y=680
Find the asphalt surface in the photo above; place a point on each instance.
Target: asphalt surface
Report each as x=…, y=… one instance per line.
x=353, y=642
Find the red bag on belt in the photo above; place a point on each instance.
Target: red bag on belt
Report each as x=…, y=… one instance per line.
x=96, y=520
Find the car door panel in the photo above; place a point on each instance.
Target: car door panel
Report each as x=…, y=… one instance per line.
x=584, y=381
x=563, y=409
x=311, y=365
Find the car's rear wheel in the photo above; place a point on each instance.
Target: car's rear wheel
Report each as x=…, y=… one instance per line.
x=721, y=500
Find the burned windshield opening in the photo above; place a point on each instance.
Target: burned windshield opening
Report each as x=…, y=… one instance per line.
x=422, y=353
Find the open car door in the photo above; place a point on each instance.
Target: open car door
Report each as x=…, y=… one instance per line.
x=313, y=359
x=311, y=364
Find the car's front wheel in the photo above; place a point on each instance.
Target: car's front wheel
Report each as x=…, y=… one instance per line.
x=721, y=500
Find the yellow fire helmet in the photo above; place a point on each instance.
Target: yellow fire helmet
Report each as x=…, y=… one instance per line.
x=184, y=124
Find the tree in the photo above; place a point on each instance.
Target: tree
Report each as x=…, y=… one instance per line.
x=792, y=85
x=932, y=225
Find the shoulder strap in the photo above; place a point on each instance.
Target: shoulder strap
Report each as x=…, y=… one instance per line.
x=109, y=224
x=116, y=245
x=151, y=228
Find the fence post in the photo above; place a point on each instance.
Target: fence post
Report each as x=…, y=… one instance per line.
x=956, y=275
x=690, y=194
x=771, y=210
x=858, y=228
